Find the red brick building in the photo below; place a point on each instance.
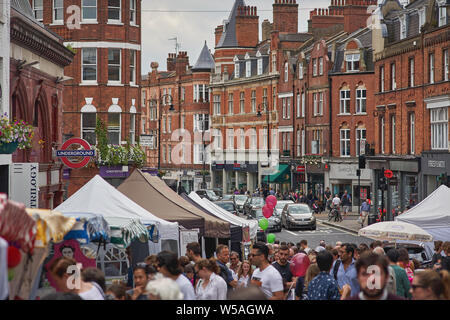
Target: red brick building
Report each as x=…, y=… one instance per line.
x=412, y=100
x=104, y=77
x=38, y=59
x=178, y=149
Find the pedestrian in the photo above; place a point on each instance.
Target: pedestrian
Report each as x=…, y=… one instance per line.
x=117, y=291
x=302, y=292
x=346, y=202
x=94, y=275
x=247, y=293
x=163, y=289
x=365, y=209
x=189, y=272
x=244, y=274
x=310, y=198
x=169, y=266
x=140, y=278
x=431, y=285
x=335, y=253
x=86, y=290
x=328, y=198
x=363, y=247
x=223, y=257
x=369, y=289
x=312, y=256
x=151, y=260
x=211, y=285
x=234, y=264
x=265, y=275
x=437, y=256
x=323, y=286
x=344, y=270
x=402, y=284
x=283, y=267
x=194, y=253
x=445, y=260
x=405, y=263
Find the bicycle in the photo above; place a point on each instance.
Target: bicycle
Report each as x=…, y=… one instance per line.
x=335, y=213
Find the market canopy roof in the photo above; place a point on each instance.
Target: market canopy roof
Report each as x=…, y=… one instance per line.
x=281, y=176
x=99, y=197
x=154, y=194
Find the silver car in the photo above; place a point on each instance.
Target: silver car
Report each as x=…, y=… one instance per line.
x=239, y=200
x=280, y=206
x=296, y=215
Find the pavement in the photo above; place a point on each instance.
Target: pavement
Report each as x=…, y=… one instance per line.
x=349, y=224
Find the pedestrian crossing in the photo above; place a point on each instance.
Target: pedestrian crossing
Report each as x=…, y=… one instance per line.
x=319, y=230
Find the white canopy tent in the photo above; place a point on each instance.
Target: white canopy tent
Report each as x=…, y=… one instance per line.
x=99, y=197
x=432, y=214
x=225, y=215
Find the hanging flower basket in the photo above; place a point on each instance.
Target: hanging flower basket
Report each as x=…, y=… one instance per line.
x=8, y=148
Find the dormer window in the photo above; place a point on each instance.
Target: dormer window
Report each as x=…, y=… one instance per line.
x=300, y=70
x=352, y=61
x=402, y=27
x=286, y=72
x=248, y=68
x=442, y=15
x=236, y=70
x=260, y=66
x=422, y=15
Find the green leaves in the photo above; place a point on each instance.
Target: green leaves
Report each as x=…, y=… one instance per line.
x=18, y=131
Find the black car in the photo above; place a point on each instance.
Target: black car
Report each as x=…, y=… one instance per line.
x=208, y=194
x=227, y=205
x=297, y=215
x=253, y=203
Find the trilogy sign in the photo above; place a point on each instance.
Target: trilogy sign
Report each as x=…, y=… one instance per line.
x=65, y=153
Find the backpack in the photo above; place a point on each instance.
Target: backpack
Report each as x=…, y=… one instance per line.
x=392, y=282
x=336, y=268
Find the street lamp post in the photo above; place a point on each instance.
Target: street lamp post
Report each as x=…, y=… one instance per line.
x=204, y=153
x=161, y=106
x=294, y=67
x=266, y=110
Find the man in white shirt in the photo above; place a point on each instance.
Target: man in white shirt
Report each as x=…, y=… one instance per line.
x=336, y=201
x=169, y=266
x=265, y=275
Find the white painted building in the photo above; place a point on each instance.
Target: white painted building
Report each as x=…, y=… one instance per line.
x=5, y=160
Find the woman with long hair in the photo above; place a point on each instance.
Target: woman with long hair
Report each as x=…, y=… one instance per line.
x=431, y=285
x=244, y=274
x=211, y=286
x=405, y=263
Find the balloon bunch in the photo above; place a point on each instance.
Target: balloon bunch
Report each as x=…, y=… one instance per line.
x=267, y=210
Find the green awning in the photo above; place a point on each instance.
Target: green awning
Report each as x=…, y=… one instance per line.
x=283, y=175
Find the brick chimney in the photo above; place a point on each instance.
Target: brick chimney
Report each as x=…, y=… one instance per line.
x=266, y=29
x=218, y=33
x=285, y=16
x=356, y=14
x=181, y=62
x=171, y=62
x=247, y=26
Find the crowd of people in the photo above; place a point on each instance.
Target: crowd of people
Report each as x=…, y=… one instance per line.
x=343, y=271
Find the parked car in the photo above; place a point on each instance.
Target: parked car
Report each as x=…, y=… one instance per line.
x=227, y=205
x=256, y=214
x=208, y=194
x=415, y=251
x=252, y=203
x=274, y=220
x=227, y=197
x=280, y=206
x=297, y=215
x=239, y=200
x=218, y=192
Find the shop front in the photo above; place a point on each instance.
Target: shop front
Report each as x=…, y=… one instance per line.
x=231, y=176
x=435, y=170
x=343, y=177
x=281, y=178
x=315, y=179
x=402, y=189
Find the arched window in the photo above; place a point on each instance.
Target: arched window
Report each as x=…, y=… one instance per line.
x=114, y=123
x=345, y=140
x=88, y=122
x=286, y=72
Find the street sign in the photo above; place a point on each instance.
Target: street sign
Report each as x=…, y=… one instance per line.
x=388, y=174
x=65, y=153
x=300, y=168
x=146, y=140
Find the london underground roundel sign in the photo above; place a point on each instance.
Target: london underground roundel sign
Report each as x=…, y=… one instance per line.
x=388, y=174
x=65, y=153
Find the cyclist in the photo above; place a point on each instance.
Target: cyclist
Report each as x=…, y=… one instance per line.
x=335, y=203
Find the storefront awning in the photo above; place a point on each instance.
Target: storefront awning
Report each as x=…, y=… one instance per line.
x=283, y=175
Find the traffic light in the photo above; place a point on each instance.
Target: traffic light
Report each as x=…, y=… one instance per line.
x=382, y=185
x=362, y=162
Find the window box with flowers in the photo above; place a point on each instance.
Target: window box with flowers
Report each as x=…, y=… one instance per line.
x=14, y=135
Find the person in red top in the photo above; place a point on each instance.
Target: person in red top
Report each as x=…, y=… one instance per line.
x=372, y=272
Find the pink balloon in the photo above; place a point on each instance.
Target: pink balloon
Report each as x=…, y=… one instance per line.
x=267, y=211
x=299, y=264
x=271, y=201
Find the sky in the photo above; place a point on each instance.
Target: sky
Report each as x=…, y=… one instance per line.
x=161, y=22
